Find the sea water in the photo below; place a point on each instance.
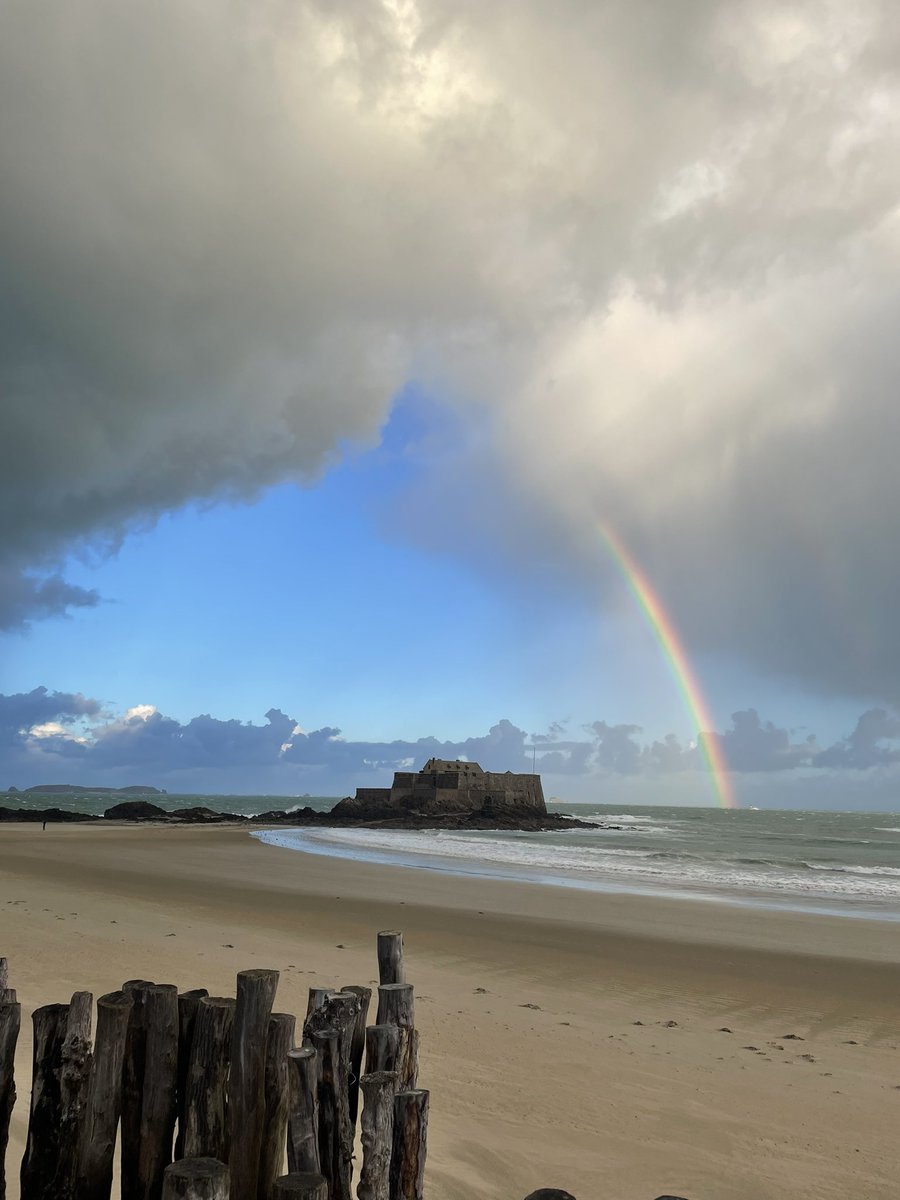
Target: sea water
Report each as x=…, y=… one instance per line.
x=834, y=862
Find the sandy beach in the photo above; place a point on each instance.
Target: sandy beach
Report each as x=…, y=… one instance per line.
x=617, y=1046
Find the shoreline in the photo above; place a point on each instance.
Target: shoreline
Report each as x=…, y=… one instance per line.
x=544, y=1011
x=315, y=841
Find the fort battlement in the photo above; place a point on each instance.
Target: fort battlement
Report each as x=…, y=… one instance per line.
x=445, y=786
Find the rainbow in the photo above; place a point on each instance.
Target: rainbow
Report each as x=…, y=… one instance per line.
x=670, y=644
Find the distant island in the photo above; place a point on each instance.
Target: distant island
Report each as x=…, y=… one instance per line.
x=76, y=789
x=444, y=794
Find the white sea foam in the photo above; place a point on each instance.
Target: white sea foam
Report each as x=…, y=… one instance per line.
x=544, y=858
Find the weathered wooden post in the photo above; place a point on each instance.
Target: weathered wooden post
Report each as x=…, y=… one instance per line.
x=303, y=1114
x=104, y=1100
x=278, y=1045
x=377, y=1132
x=4, y=973
x=317, y=997
x=206, y=1086
x=61, y=1068
x=74, y=1080
x=132, y=1087
x=300, y=1186
x=409, y=1144
x=339, y=1013
x=158, y=1098
x=195, y=1179
x=41, y=1159
x=357, y=1045
x=10, y=1022
x=246, y=1088
x=382, y=1048
x=556, y=1194
x=396, y=1006
x=188, y=1007
x=335, y=1151
x=390, y=957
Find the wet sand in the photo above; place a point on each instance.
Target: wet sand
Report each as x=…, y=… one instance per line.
x=617, y=1046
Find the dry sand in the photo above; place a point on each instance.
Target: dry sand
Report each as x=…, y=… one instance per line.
x=569, y=1039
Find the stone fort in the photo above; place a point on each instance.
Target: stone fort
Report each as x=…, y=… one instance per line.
x=448, y=786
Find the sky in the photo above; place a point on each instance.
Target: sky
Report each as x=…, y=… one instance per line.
x=334, y=336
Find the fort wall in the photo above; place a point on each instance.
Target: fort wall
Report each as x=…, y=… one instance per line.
x=449, y=787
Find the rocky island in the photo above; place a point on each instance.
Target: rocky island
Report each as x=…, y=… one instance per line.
x=444, y=794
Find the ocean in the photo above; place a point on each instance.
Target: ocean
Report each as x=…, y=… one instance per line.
x=844, y=863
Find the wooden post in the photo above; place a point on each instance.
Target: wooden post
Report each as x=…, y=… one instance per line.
x=390, y=957
x=188, y=1006
x=357, y=1045
x=300, y=1186
x=74, y=1080
x=377, y=1131
x=246, y=1088
x=382, y=1048
x=4, y=973
x=158, y=1100
x=334, y=1151
x=396, y=1007
x=195, y=1179
x=339, y=1013
x=317, y=997
x=104, y=1102
x=10, y=1021
x=278, y=1045
x=132, y=1087
x=303, y=1116
x=556, y=1194
x=41, y=1158
x=409, y=1145
x=206, y=1127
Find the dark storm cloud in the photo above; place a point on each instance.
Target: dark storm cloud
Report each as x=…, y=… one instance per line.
x=25, y=597
x=658, y=244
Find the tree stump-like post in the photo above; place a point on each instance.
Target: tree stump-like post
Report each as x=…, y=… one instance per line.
x=188, y=1007
x=4, y=973
x=335, y=1151
x=382, y=1048
x=279, y=1041
x=133, y=1087
x=317, y=997
x=195, y=1179
x=74, y=1081
x=10, y=1023
x=303, y=1111
x=556, y=1194
x=206, y=1086
x=41, y=1158
x=377, y=1133
x=246, y=1088
x=158, y=1098
x=300, y=1186
x=357, y=1046
x=396, y=1006
x=104, y=1101
x=409, y=1144
x=390, y=957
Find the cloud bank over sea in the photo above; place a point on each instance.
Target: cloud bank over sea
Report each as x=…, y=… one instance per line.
x=53, y=737
x=649, y=251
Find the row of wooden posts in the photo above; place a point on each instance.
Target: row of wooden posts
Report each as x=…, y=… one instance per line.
x=209, y=1092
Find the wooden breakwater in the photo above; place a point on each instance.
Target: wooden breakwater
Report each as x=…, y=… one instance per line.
x=206, y=1096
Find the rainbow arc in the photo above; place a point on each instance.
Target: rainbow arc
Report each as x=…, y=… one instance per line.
x=686, y=681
